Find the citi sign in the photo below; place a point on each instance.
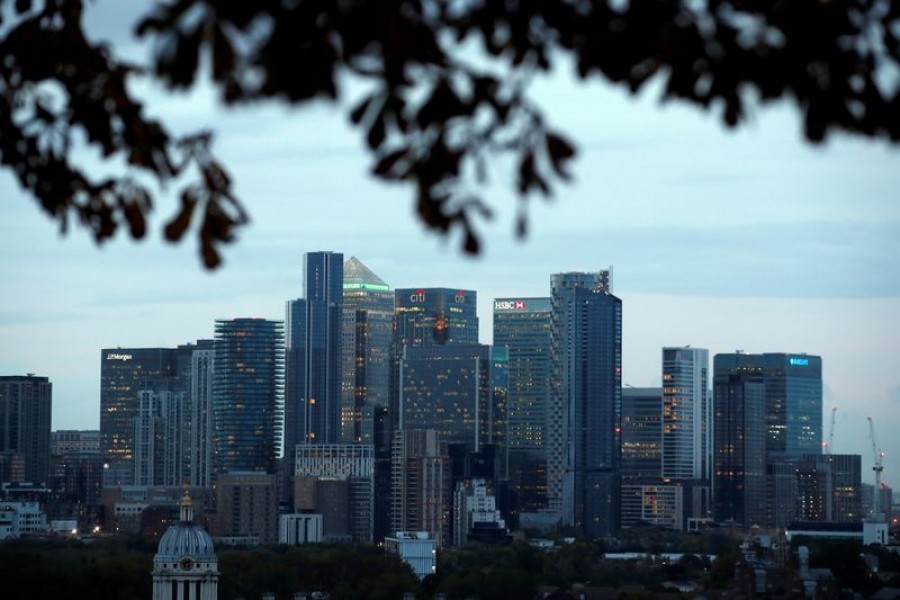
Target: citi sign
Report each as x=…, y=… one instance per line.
x=417, y=296
x=509, y=305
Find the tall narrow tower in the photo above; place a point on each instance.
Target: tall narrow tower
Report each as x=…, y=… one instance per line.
x=583, y=475
x=313, y=398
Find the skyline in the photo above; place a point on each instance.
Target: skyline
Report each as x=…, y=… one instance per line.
x=749, y=239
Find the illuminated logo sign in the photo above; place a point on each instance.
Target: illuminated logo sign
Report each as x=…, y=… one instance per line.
x=509, y=305
x=799, y=362
x=417, y=296
x=117, y=356
x=460, y=296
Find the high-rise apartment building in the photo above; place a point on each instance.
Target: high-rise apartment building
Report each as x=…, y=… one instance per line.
x=584, y=414
x=202, y=432
x=123, y=373
x=314, y=326
x=366, y=351
x=337, y=481
x=25, y=405
x=522, y=326
x=248, y=394
x=421, y=484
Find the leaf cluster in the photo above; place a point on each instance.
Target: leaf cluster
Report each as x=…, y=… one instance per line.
x=446, y=88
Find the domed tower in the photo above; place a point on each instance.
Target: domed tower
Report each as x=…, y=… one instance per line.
x=185, y=565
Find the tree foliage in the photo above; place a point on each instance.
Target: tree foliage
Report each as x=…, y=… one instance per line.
x=446, y=89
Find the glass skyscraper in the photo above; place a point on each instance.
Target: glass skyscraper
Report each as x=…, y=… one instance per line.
x=123, y=373
x=366, y=351
x=435, y=317
x=314, y=327
x=248, y=392
x=585, y=410
x=686, y=415
x=522, y=326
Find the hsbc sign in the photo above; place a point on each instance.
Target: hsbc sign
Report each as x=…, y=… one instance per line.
x=509, y=305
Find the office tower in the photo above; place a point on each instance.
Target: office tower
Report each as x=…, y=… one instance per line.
x=248, y=394
x=739, y=459
x=774, y=399
x=458, y=390
x=584, y=412
x=434, y=317
x=25, y=405
x=793, y=398
x=368, y=322
x=522, y=326
x=123, y=373
x=337, y=481
x=642, y=434
x=314, y=326
x=814, y=487
x=421, y=480
x=247, y=507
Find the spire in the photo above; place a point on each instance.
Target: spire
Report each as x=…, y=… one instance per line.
x=358, y=276
x=187, y=508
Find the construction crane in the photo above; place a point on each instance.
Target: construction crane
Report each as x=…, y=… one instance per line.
x=830, y=441
x=878, y=467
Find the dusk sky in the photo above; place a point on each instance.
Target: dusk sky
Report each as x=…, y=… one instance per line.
x=749, y=239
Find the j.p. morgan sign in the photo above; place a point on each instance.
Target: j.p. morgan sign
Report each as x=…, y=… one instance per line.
x=118, y=356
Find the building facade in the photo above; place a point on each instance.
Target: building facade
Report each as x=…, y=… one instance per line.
x=314, y=327
x=585, y=411
x=368, y=321
x=123, y=373
x=25, y=406
x=522, y=326
x=248, y=394
x=421, y=484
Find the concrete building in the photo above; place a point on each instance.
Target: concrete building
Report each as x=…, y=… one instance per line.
x=247, y=506
x=18, y=519
x=300, y=528
x=421, y=480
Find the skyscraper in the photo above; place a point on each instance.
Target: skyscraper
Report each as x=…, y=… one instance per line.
x=366, y=350
x=642, y=434
x=687, y=414
x=25, y=405
x=123, y=373
x=739, y=464
x=522, y=326
x=435, y=317
x=421, y=478
x=314, y=326
x=248, y=394
x=458, y=390
x=584, y=414
x=202, y=425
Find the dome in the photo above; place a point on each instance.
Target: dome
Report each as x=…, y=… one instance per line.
x=186, y=538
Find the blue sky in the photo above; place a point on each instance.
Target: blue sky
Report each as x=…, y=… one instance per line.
x=748, y=239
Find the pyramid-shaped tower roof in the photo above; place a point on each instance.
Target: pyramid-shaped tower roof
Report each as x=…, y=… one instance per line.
x=358, y=276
